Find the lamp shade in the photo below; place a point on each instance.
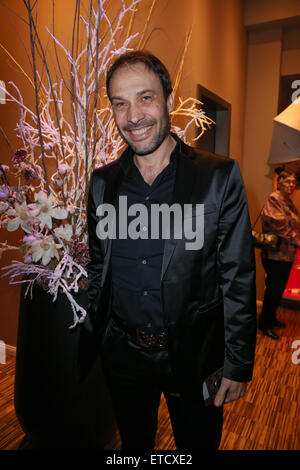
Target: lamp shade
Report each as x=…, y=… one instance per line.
x=285, y=145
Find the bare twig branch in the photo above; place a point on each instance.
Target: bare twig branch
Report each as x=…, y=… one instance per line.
x=32, y=43
x=50, y=83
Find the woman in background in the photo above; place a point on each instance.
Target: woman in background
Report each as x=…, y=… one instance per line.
x=280, y=217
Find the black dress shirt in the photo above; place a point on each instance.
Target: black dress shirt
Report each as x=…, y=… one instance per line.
x=137, y=263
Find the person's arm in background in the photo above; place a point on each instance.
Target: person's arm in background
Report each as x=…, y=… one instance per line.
x=276, y=219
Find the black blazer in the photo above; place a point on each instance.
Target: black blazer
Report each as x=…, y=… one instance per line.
x=208, y=295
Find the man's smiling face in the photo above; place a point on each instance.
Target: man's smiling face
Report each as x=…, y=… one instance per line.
x=140, y=109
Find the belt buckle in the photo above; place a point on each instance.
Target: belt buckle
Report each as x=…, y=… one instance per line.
x=151, y=340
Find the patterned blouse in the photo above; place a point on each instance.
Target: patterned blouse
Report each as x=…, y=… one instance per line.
x=280, y=216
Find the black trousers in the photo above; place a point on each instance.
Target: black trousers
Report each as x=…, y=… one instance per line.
x=136, y=376
x=277, y=275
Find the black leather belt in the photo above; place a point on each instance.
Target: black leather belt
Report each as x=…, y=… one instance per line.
x=155, y=341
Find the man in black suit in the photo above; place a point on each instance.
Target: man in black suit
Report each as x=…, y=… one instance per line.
x=167, y=312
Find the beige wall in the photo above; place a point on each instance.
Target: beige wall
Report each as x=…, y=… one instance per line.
x=258, y=12
x=263, y=75
x=216, y=59
x=290, y=61
x=273, y=51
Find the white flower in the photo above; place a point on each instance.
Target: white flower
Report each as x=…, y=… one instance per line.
x=64, y=232
x=47, y=209
x=29, y=239
x=44, y=249
x=63, y=169
x=23, y=217
x=58, y=182
x=3, y=206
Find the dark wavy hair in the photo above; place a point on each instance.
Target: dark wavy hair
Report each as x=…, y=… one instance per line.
x=149, y=60
x=284, y=173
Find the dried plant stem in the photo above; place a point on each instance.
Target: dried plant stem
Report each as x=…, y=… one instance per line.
x=55, y=48
x=179, y=73
x=18, y=65
x=50, y=84
x=130, y=23
x=96, y=84
x=32, y=43
x=6, y=140
x=72, y=86
x=141, y=43
x=87, y=97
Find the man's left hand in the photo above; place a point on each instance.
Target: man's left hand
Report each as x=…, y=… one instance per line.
x=229, y=390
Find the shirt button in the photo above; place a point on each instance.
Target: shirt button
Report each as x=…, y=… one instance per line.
x=147, y=198
x=144, y=229
x=144, y=261
x=145, y=292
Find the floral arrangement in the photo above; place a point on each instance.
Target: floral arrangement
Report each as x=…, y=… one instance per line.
x=70, y=132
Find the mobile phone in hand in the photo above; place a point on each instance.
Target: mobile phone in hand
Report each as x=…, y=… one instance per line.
x=211, y=386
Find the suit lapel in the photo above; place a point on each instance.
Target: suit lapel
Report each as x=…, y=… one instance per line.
x=183, y=189
x=113, y=180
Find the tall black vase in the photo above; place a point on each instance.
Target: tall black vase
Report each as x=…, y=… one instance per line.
x=53, y=408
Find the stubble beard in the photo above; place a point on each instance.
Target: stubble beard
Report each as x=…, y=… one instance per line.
x=157, y=140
